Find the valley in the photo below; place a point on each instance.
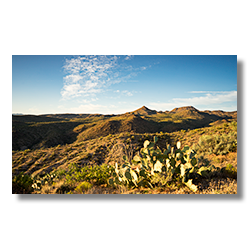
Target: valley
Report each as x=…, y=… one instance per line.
x=56, y=143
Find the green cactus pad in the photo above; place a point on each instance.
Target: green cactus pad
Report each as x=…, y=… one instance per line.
x=134, y=175
x=150, y=145
x=117, y=181
x=191, y=185
x=128, y=175
x=111, y=181
x=185, y=149
x=158, y=166
x=194, y=161
x=143, y=173
x=137, y=158
x=146, y=143
x=125, y=158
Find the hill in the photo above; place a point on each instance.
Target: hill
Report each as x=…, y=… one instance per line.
x=127, y=123
x=62, y=168
x=62, y=153
x=35, y=131
x=144, y=111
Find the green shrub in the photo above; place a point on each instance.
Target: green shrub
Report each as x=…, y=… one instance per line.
x=230, y=171
x=95, y=174
x=217, y=144
x=22, y=184
x=65, y=188
x=83, y=187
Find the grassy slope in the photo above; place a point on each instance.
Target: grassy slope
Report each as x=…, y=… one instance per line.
x=110, y=149
x=51, y=130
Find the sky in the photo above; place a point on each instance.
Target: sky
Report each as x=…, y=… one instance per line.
x=115, y=84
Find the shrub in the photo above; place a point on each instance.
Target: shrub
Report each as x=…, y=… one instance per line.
x=230, y=171
x=83, y=187
x=95, y=174
x=217, y=144
x=22, y=184
x=64, y=188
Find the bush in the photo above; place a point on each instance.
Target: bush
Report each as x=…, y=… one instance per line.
x=22, y=184
x=217, y=144
x=83, y=187
x=230, y=171
x=95, y=174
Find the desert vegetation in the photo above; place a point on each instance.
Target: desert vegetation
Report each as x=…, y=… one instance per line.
x=184, y=151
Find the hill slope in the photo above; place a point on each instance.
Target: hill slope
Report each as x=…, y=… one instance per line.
x=132, y=123
x=144, y=111
x=29, y=131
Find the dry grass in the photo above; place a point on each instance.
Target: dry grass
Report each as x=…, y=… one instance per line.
x=222, y=186
x=110, y=149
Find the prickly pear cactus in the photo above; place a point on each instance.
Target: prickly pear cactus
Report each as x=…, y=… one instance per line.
x=179, y=163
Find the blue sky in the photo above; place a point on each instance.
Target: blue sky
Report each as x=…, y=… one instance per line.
x=122, y=83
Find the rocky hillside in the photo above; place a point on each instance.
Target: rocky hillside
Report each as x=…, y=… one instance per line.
x=29, y=131
x=144, y=111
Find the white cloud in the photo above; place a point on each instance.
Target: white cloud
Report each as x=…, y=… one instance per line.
x=209, y=99
x=71, y=90
x=126, y=92
x=72, y=78
x=90, y=75
x=87, y=75
x=129, y=57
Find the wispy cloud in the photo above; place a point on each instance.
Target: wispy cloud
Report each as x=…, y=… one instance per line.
x=208, y=98
x=89, y=75
x=128, y=93
x=128, y=57
x=123, y=92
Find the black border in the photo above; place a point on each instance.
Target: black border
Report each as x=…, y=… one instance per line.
x=241, y=198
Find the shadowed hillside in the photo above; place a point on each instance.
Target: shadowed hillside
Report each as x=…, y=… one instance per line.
x=131, y=123
x=30, y=131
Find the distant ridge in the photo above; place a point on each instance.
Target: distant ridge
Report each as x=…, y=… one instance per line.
x=35, y=131
x=132, y=123
x=144, y=111
x=186, y=108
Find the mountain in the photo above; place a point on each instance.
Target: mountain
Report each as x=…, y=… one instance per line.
x=144, y=111
x=129, y=123
x=220, y=113
x=184, y=109
x=187, y=112
x=36, y=131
